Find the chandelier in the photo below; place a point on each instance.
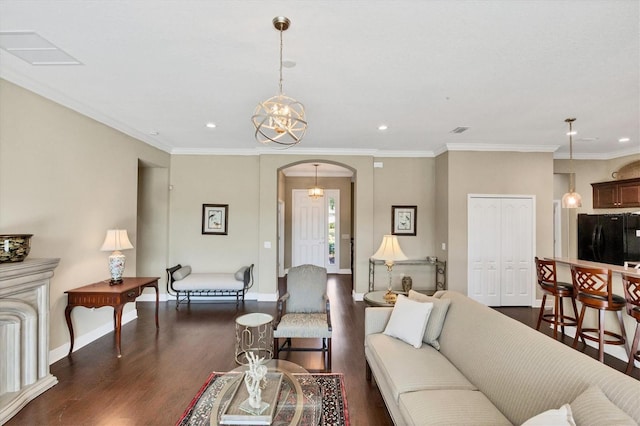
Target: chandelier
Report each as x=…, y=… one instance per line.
x=316, y=191
x=280, y=119
x=571, y=199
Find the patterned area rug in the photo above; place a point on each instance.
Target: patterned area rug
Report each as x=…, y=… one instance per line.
x=334, y=410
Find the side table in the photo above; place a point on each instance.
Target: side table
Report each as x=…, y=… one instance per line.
x=101, y=294
x=254, y=333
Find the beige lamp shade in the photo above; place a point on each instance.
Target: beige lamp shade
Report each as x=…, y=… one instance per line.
x=116, y=239
x=389, y=250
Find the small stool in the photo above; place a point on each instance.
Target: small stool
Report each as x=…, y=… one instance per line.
x=254, y=333
x=631, y=287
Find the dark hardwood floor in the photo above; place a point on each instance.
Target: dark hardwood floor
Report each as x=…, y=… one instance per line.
x=160, y=372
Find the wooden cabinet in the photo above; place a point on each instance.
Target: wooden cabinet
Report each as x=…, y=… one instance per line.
x=616, y=194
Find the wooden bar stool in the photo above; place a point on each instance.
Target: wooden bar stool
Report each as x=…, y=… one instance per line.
x=546, y=272
x=592, y=287
x=631, y=286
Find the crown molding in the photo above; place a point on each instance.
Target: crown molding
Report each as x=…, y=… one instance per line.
x=500, y=147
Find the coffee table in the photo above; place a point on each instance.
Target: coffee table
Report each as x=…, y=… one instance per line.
x=300, y=400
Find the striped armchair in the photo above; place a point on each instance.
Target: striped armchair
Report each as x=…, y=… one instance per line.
x=304, y=312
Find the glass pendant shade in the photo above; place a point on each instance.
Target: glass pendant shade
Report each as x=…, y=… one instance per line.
x=571, y=199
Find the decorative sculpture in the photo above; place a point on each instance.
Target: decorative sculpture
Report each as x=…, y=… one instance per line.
x=255, y=380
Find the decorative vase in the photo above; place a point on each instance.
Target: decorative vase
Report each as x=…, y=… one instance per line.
x=14, y=247
x=407, y=282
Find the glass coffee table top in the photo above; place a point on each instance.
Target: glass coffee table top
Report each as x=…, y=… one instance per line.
x=299, y=401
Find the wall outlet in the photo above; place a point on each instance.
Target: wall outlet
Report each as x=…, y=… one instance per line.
x=637, y=232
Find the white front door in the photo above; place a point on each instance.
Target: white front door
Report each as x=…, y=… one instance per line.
x=309, y=229
x=500, y=250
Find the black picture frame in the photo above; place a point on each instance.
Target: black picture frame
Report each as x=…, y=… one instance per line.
x=215, y=218
x=404, y=220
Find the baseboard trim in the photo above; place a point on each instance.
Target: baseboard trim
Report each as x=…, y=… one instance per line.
x=60, y=352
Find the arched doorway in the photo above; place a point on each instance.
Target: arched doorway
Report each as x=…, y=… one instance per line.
x=318, y=231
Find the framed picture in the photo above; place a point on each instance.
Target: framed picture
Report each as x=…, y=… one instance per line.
x=215, y=218
x=403, y=220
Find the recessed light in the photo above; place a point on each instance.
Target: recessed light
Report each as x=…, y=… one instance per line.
x=624, y=140
x=211, y=125
x=383, y=127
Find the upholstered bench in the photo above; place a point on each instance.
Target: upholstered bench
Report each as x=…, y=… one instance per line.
x=187, y=284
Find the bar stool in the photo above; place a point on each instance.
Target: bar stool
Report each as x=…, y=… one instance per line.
x=546, y=272
x=592, y=287
x=631, y=285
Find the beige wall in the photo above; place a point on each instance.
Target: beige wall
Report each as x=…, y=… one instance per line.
x=67, y=179
x=442, y=206
x=496, y=173
x=210, y=179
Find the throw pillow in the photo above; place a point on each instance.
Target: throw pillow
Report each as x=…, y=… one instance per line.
x=408, y=320
x=592, y=407
x=436, y=319
x=560, y=417
x=182, y=273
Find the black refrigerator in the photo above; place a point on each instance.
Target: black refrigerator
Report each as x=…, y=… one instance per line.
x=609, y=238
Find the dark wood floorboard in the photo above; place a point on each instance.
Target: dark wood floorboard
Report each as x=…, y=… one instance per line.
x=160, y=372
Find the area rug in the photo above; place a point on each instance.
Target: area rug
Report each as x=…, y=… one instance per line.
x=331, y=386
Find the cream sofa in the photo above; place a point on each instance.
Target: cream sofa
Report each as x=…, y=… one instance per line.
x=491, y=370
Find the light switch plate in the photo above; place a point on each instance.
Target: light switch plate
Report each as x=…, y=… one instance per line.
x=637, y=232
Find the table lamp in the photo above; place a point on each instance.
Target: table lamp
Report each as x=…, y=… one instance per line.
x=390, y=252
x=116, y=240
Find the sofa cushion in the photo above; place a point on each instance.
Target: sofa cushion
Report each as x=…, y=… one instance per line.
x=436, y=318
x=408, y=321
x=449, y=407
x=519, y=368
x=560, y=417
x=408, y=369
x=592, y=407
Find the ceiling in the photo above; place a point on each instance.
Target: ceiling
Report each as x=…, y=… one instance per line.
x=511, y=71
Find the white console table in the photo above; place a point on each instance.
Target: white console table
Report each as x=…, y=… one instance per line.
x=24, y=333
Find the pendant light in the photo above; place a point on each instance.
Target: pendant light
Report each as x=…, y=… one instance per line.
x=280, y=119
x=571, y=199
x=316, y=191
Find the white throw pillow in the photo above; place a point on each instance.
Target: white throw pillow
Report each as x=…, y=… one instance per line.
x=560, y=417
x=408, y=321
x=436, y=318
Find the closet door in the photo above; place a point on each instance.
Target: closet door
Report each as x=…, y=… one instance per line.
x=484, y=220
x=516, y=256
x=500, y=250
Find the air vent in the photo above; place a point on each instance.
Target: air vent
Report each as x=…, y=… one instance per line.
x=460, y=129
x=34, y=49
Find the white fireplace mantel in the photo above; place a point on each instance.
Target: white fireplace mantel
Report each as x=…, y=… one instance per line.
x=24, y=333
